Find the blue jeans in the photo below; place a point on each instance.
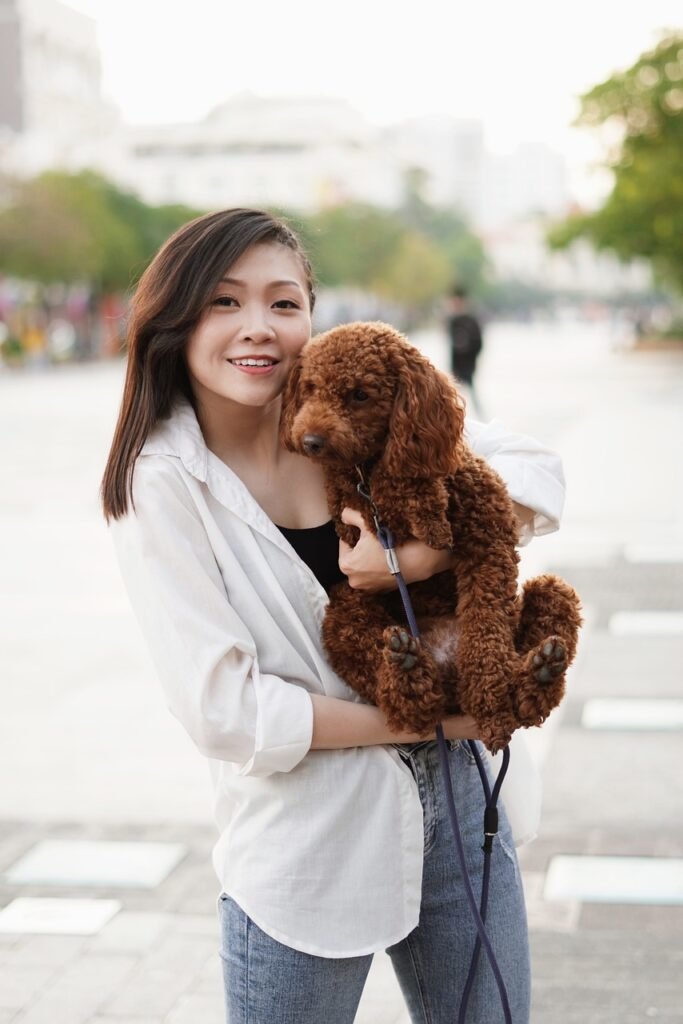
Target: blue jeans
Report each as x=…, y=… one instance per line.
x=269, y=983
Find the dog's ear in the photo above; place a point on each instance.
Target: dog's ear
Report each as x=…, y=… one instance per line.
x=425, y=432
x=291, y=403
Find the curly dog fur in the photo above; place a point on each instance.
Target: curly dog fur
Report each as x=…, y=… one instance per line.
x=361, y=395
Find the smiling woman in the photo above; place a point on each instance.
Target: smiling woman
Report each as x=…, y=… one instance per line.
x=322, y=856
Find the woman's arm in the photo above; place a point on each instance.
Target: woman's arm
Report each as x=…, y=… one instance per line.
x=204, y=654
x=365, y=564
x=532, y=473
x=344, y=723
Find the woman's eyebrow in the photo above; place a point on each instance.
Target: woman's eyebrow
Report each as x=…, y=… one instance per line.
x=271, y=284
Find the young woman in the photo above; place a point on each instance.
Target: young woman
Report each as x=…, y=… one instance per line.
x=334, y=838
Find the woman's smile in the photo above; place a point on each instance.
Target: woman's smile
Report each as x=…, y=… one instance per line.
x=255, y=365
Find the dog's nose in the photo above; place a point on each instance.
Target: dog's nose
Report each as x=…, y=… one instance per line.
x=313, y=444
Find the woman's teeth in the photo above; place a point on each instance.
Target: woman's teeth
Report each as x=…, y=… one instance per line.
x=252, y=362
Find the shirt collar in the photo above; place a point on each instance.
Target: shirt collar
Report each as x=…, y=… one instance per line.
x=180, y=435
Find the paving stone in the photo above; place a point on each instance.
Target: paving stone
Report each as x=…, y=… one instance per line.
x=171, y=969
x=192, y=1008
x=641, y=714
x=19, y=985
x=151, y=992
x=606, y=976
x=623, y=587
x=621, y=779
x=52, y=915
x=628, y=667
x=129, y=1020
x=51, y=950
x=86, y=862
x=545, y=916
x=77, y=993
x=131, y=932
x=210, y=978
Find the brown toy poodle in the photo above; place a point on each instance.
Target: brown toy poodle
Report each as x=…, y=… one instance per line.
x=360, y=397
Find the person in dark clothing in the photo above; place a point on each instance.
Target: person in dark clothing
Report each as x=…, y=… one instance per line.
x=465, y=337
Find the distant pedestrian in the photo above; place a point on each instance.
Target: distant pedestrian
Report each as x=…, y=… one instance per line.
x=333, y=837
x=466, y=343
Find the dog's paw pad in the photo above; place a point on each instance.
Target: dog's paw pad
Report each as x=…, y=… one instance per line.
x=550, y=662
x=401, y=648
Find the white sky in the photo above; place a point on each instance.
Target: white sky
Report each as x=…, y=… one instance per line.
x=517, y=65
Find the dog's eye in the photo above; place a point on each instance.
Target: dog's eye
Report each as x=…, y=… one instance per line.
x=358, y=395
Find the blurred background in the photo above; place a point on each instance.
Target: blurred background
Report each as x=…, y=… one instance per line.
x=529, y=156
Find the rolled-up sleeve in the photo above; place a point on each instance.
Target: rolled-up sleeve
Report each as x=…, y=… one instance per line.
x=532, y=473
x=202, y=651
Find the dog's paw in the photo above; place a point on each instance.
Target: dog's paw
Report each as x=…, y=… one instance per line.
x=401, y=649
x=550, y=661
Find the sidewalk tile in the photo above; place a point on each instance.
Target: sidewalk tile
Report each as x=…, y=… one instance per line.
x=87, y=862
x=50, y=950
x=131, y=932
x=20, y=984
x=193, y=1008
x=79, y=992
x=151, y=992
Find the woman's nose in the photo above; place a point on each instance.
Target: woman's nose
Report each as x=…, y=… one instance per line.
x=257, y=326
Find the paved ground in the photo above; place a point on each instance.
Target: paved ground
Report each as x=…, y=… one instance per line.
x=87, y=749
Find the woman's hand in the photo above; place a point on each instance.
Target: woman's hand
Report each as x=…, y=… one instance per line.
x=365, y=564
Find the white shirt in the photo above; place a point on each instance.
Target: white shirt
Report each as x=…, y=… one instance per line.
x=322, y=848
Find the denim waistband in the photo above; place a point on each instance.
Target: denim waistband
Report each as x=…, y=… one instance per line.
x=413, y=748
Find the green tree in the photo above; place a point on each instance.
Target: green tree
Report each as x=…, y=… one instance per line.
x=80, y=227
x=417, y=273
x=447, y=229
x=352, y=244
x=643, y=215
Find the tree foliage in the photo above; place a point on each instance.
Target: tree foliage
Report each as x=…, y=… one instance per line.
x=80, y=227
x=409, y=255
x=643, y=215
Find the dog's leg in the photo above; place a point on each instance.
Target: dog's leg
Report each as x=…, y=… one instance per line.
x=409, y=686
x=547, y=634
x=353, y=636
x=486, y=661
x=379, y=660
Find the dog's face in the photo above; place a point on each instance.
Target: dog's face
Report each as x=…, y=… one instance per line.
x=359, y=389
x=342, y=398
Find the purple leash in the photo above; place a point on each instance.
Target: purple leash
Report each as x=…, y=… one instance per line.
x=386, y=539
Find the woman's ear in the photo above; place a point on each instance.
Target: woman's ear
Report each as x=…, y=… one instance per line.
x=426, y=427
x=291, y=402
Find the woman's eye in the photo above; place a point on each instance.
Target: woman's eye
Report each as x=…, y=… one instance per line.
x=285, y=304
x=224, y=300
x=358, y=395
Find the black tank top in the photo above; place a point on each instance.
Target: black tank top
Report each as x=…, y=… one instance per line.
x=318, y=547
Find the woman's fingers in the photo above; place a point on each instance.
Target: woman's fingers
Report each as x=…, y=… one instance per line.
x=353, y=518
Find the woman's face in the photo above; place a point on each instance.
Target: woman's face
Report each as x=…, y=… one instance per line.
x=255, y=325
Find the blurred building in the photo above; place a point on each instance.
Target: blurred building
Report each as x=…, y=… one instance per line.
x=52, y=113
x=518, y=252
x=532, y=179
x=298, y=153
x=450, y=154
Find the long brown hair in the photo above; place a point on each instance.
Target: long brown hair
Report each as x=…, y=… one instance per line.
x=169, y=300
